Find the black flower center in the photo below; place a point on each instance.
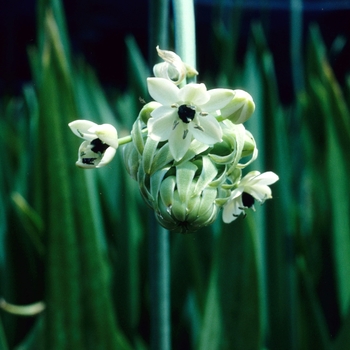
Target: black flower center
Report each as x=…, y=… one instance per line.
x=186, y=114
x=98, y=146
x=247, y=199
x=89, y=161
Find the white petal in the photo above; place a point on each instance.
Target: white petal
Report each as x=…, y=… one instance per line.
x=231, y=210
x=107, y=133
x=80, y=128
x=267, y=178
x=236, y=193
x=194, y=93
x=163, y=90
x=107, y=157
x=209, y=132
x=219, y=98
x=259, y=192
x=169, y=72
x=162, y=111
x=249, y=177
x=87, y=159
x=173, y=68
x=179, y=145
x=160, y=128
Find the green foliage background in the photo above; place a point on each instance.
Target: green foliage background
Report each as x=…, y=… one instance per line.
x=78, y=240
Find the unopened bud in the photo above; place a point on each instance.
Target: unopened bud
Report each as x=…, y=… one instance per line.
x=147, y=109
x=239, y=109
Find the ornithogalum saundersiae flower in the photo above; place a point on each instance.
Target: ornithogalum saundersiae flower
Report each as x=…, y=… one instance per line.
x=99, y=147
x=185, y=114
x=253, y=186
x=187, y=150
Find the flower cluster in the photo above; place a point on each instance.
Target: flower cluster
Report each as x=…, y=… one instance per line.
x=100, y=145
x=187, y=150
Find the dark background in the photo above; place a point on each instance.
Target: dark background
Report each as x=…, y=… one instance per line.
x=97, y=30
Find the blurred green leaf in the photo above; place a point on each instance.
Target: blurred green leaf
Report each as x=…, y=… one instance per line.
x=79, y=307
x=277, y=280
x=326, y=94
x=32, y=222
x=3, y=341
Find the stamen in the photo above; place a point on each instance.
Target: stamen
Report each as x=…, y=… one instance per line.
x=203, y=114
x=199, y=127
x=185, y=134
x=176, y=123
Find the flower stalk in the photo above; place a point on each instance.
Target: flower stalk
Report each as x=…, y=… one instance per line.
x=159, y=257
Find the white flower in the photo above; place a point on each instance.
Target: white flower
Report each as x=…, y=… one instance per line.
x=253, y=186
x=99, y=147
x=185, y=113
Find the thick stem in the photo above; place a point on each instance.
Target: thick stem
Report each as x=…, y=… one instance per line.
x=185, y=33
x=159, y=259
x=159, y=237
x=159, y=264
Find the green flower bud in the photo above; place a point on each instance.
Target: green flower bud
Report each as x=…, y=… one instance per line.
x=147, y=109
x=240, y=109
x=249, y=145
x=237, y=143
x=183, y=204
x=131, y=160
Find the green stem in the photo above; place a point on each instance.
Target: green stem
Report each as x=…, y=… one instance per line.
x=3, y=341
x=159, y=259
x=127, y=139
x=185, y=37
x=159, y=264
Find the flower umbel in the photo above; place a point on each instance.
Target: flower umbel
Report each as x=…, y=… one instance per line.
x=184, y=114
x=99, y=147
x=253, y=186
x=187, y=150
